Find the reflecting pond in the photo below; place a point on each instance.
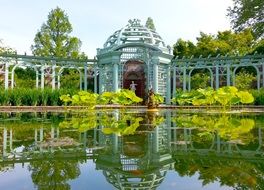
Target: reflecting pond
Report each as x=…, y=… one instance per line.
x=131, y=149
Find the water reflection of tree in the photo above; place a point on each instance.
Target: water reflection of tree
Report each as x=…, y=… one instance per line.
x=237, y=173
x=54, y=173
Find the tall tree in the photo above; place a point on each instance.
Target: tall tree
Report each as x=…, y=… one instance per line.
x=53, y=39
x=150, y=24
x=226, y=42
x=184, y=48
x=248, y=13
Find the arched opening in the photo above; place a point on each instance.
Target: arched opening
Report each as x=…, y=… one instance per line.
x=246, y=77
x=134, y=73
x=24, y=75
x=70, y=78
x=200, y=78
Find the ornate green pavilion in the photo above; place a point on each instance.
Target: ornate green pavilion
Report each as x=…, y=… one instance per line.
x=134, y=53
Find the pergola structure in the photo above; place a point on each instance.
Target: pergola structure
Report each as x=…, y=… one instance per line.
x=222, y=70
x=46, y=68
x=134, y=54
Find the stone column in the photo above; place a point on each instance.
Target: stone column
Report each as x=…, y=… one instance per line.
x=100, y=80
x=184, y=79
x=53, y=76
x=168, y=121
x=95, y=79
x=115, y=77
x=168, y=86
x=85, y=76
x=4, y=141
x=37, y=78
x=6, y=75
x=115, y=137
x=228, y=81
x=42, y=79
x=80, y=80
x=12, y=79
x=59, y=80
x=115, y=62
x=216, y=76
x=156, y=140
x=174, y=82
x=155, y=75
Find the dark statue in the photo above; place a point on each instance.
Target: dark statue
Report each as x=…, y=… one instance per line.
x=151, y=100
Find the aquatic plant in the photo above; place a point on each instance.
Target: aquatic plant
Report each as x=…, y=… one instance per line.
x=89, y=99
x=224, y=97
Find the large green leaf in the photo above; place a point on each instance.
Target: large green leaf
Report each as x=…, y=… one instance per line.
x=245, y=97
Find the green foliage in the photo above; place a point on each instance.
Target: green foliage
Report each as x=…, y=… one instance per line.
x=83, y=121
x=258, y=96
x=244, y=80
x=127, y=125
x=126, y=97
x=82, y=98
x=32, y=97
x=158, y=99
x=123, y=97
x=70, y=79
x=186, y=98
x=107, y=98
x=200, y=80
x=183, y=48
x=25, y=78
x=247, y=13
x=4, y=97
x=225, y=97
x=228, y=128
x=150, y=24
x=245, y=97
x=53, y=39
x=223, y=43
x=258, y=47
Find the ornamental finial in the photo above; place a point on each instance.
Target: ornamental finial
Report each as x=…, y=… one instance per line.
x=134, y=22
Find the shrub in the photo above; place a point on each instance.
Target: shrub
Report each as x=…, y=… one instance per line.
x=200, y=80
x=259, y=96
x=244, y=80
x=4, y=97
x=225, y=97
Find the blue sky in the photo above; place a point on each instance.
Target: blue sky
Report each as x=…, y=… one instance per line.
x=94, y=20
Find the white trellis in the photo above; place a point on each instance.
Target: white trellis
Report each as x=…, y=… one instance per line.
x=46, y=68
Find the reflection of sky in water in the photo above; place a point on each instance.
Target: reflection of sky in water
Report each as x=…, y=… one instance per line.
x=16, y=179
x=90, y=178
x=174, y=181
x=19, y=149
x=20, y=179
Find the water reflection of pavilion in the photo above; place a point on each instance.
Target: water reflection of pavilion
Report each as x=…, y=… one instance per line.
x=138, y=161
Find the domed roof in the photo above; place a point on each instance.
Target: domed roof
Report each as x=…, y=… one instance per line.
x=134, y=32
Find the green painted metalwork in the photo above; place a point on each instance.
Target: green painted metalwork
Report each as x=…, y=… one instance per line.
x=134, y=42
x=220, y=68
x=44, y=67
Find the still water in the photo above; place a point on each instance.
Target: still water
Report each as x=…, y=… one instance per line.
x=120, y=149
